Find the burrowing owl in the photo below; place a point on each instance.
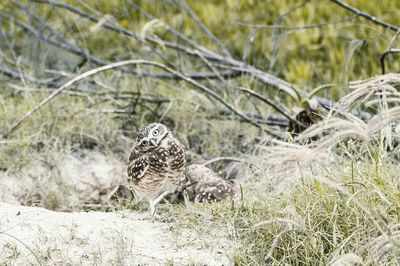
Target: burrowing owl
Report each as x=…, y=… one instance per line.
x=201, y=184
x=155, y=164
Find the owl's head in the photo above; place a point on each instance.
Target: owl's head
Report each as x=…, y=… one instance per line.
x=151, y=136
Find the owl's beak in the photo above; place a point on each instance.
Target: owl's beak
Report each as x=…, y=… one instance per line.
x=153, y=141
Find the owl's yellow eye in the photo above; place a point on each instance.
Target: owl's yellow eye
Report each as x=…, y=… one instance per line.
x=155, y=132
x=144, y=143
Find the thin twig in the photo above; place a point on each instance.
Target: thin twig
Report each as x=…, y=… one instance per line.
x=269, y=79
x=273, y=105
x=210, y=65
x=305, y=27
x=271, y=120
x=214, y=160
x=62, y=44
x=366, y=15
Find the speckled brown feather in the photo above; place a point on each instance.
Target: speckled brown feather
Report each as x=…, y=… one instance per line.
x=204, y=185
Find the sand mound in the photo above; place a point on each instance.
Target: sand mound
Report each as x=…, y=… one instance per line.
x=33, y=235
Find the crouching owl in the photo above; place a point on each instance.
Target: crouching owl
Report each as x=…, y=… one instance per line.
x=201, y=184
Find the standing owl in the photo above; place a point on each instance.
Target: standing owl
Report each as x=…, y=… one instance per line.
x=155, y=164
x=201, y=184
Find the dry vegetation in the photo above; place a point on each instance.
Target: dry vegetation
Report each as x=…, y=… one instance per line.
x=230, y=78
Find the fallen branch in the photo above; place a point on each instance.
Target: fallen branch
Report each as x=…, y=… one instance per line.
x=135, y=62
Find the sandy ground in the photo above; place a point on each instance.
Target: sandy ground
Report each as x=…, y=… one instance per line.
x=118, y=238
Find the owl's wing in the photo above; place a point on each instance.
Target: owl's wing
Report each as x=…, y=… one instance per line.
x=212, y=191
x=177, y=155
x=138, y=167
x=135, y=153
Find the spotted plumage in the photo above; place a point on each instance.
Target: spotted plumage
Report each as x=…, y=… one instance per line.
x=201, y=184
x=155, y=164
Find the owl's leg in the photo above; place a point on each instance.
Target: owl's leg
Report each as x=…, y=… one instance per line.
x=159, y=198
x=153, y=203
x=186, y=199
x=152, y=208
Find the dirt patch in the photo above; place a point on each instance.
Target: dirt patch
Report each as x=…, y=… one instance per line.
x=118, y=238
x=63, y=181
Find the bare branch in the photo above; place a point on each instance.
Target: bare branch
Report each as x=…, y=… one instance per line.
x=305, y=27
x=279, y=109
x=366, y=16
x=127, y=96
